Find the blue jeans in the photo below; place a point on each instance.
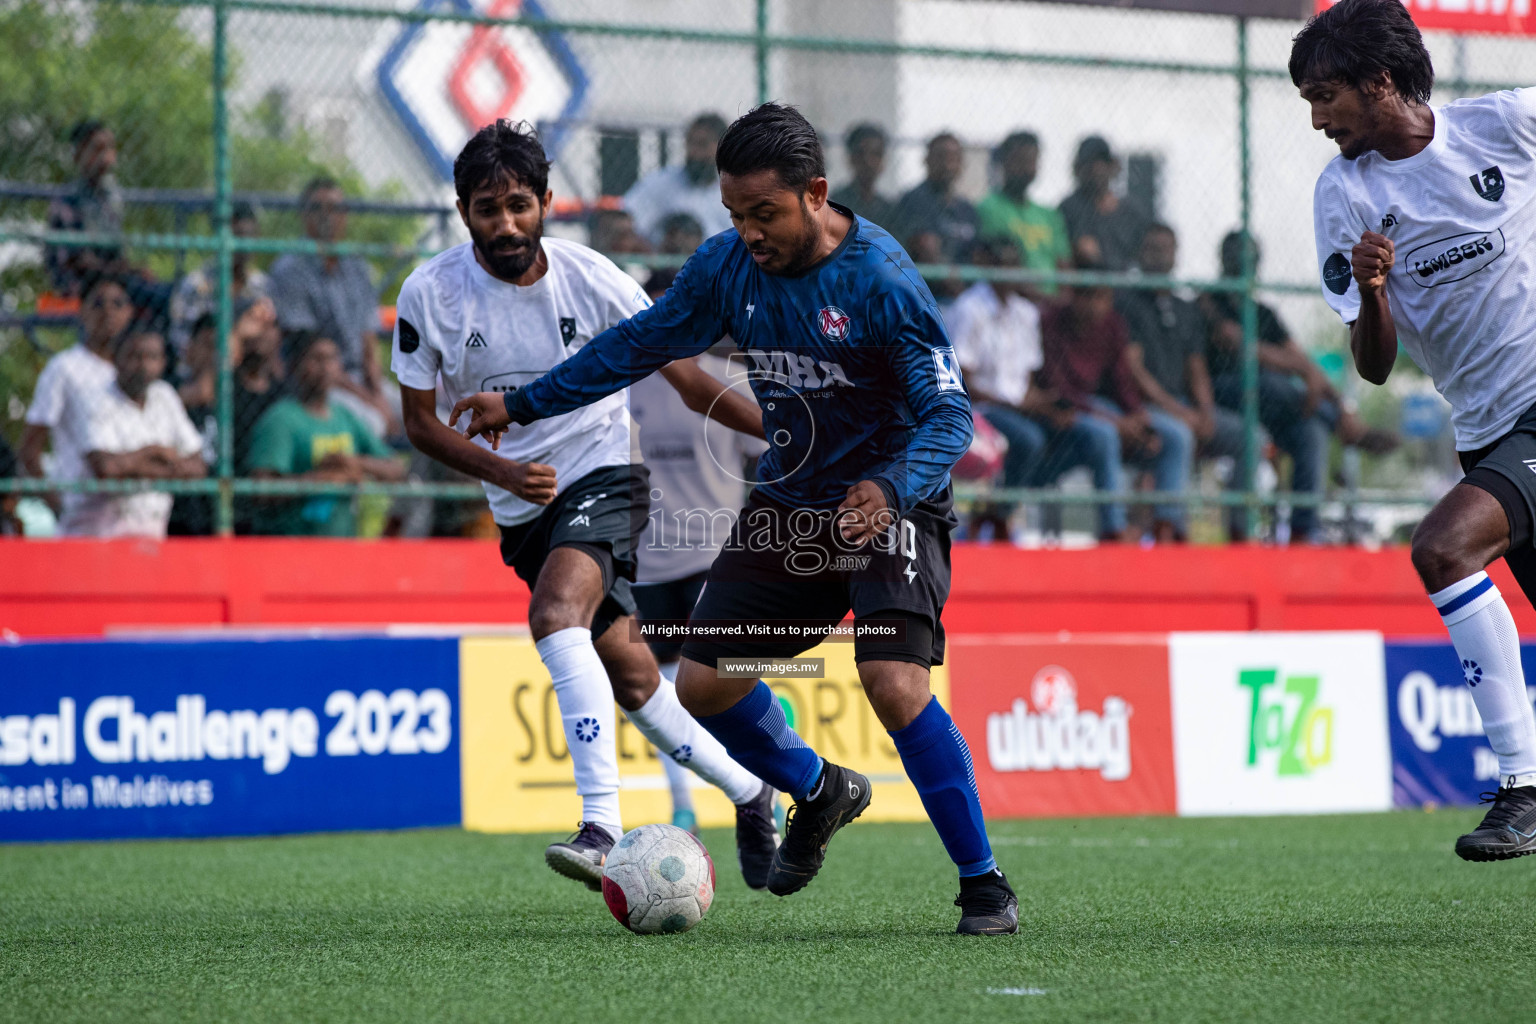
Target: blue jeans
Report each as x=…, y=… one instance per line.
x=1171, y=463
x=1282, y=407
x=1038, y=454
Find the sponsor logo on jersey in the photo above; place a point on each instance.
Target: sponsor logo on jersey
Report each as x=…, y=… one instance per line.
x=567, y=329
x=947, y=369
x=1336, y=273
x=796, y=370
x=502, y=383
x=410, y=338
x=475, y=340
x=1455, y=258
x=1056, y=736
x=1489, y=184
x=833, y=323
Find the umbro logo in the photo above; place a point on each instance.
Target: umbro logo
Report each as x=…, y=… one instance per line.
x=475, y=340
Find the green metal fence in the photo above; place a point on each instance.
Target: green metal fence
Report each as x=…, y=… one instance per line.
x=763, y=41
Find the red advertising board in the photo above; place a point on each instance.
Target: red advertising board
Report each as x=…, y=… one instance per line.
x=1507, y=17
x=1066, y=728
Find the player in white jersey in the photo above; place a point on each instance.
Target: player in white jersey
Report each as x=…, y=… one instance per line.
x=697, y=484
x=494, y=314
x=1426, y=237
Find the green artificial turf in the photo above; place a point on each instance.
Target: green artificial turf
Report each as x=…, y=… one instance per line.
x=1349, y=918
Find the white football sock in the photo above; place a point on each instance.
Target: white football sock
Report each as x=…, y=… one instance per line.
x=1483, y=633
x=673, y=730
x=679, y=779
x=586, y=712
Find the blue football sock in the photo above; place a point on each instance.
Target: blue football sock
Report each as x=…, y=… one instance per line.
x=756, y=733
x=939, y=764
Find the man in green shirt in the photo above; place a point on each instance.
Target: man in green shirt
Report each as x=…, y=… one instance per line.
x=309, y=437
x=1040, y=230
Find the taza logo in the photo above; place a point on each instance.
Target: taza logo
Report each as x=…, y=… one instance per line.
x=833, y=323
x=1285, y=718
x=1056, y=736
x=1489, y=184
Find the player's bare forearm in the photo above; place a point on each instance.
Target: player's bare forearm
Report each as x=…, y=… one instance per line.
x=435, y=439
x=1373, y=335
x=719, y=401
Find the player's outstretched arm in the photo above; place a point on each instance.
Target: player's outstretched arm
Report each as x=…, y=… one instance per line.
x=1373, y=335
x=530, y=481
x=713, y=398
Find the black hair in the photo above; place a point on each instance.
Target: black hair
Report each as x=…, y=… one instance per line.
x=1016, y=140
x=773, y=137
x=136, y=330
x=502, y=149
x=318, y=183
x=865, y=130
x=297, y=343
x=1232, y=250
x=941, y=137
x=1356, y=40
x=82, y=132
x=1158, y=226
x=713, y=122
x=95, y=279
x=989, y=249
x=242, y=210
x=681, y=222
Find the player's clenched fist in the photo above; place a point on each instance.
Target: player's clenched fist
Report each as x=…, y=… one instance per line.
x=1370, y=260
x=532, y=481
x=487, y=415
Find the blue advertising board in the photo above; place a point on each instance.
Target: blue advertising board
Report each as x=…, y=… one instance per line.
x=1439, y=752
x=126, y=739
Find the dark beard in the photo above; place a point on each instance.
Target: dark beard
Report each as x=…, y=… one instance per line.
x=805, y=250
x=509, y=266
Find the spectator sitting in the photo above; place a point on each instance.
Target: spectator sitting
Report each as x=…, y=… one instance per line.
x=197, y=293
x=692, y=188
x=1298, y=405
x=681, y=234
x=1041, y=233
x=309, y=436
x=926, y=247
x=1085, y=362
x=254, y=347
x=933, y=206
x=137, y=430
x=333, y=296
x=613, y=232
x=94, y=204
x=10, y=525
x=1104, y=226
x=69, y=387
x=866, y=144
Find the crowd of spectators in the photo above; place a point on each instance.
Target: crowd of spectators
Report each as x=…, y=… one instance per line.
x=1136, y=384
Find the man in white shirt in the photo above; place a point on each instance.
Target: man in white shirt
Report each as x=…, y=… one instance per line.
x=692, y=188
x=68, y=387
x=493, y=315
x=1453, y=189
x=137, y=430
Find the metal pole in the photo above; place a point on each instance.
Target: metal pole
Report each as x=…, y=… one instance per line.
x=761, y=48
x=1250, y=310
x=221, y=184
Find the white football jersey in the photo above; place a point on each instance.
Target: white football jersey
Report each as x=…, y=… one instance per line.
x=1462, y=217
x=460, y=325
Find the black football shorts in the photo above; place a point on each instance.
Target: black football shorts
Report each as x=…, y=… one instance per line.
x=1506, y=469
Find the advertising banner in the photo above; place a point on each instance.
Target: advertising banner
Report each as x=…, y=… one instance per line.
x=124, y=739
x=1066, y=727
x=517, y=770
x=1506, y=17
x=1439, y=752
x=1279, y=723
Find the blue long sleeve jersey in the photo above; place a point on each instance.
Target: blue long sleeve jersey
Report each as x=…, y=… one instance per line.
x=849, y=360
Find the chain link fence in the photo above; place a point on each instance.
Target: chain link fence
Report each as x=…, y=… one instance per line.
x=255, y=176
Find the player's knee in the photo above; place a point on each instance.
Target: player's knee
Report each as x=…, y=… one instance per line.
x=1439, y=556
x=553, y=615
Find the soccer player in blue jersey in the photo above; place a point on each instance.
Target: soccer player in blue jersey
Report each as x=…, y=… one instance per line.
x=865, y=413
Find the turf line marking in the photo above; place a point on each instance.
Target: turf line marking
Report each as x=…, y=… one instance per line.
x=1016, y=991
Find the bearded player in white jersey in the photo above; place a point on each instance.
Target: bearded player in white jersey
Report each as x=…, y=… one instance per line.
x=496, y=313
x=1426, y=237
